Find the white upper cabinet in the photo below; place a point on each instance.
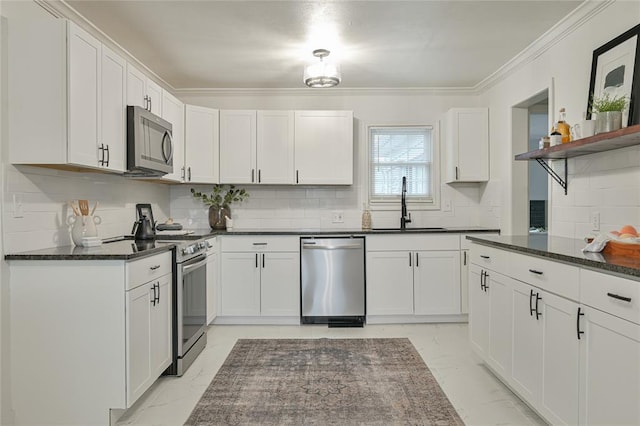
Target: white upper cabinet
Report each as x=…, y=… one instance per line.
x=324, y=147
x=173, y=112
x=85, y=56
x=275, y=147
x=466, y=138
x=256, y=147
x=238, y=146
x=202, y=144
x=73, y=87
x=113, y=121
x=142, y=91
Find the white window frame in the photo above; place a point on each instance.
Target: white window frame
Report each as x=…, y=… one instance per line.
x=391, y=205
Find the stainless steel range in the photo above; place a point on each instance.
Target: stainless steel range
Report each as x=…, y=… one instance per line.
x=189, y=303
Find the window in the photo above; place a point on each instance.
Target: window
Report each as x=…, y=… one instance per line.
x=395, y=152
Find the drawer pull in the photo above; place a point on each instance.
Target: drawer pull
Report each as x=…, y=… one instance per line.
x=617, y=296
x=260, y=244
x=533, y=271
x=153, y=268
x=484, y=256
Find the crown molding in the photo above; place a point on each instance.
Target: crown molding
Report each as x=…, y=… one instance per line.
x=567, y=25
x=334, y=91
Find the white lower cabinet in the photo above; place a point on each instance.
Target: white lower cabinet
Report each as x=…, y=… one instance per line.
x=490, y=320
x=609, y=369
x=86, y=336
x=260, y=277
x=413, y=275
x=212, y=280
x=148, y=332
x=573, y=363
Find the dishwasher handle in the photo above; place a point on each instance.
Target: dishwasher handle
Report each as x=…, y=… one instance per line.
x=314, y=246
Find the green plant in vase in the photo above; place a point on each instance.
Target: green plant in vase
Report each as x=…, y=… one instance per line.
x=608, y=110
x=219, y=202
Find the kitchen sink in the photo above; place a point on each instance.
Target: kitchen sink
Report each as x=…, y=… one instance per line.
x=432, y=229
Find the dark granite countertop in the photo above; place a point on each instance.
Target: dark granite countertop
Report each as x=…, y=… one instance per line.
x=125, y=248
x=562, y=249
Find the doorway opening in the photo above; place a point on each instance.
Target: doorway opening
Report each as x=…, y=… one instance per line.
x=538, y=178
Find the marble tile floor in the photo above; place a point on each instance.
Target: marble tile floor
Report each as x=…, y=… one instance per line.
x=478, y=396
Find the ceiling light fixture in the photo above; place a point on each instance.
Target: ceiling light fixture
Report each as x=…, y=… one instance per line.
x=322, y=74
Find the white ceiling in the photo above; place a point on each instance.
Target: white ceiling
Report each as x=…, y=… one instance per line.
x=379, y=44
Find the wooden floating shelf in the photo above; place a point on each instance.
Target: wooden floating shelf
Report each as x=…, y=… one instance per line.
x=627, y=136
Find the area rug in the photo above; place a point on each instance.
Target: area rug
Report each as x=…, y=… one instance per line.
x=324, y=382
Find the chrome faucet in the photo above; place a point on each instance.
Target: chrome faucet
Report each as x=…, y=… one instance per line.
x=404, y=216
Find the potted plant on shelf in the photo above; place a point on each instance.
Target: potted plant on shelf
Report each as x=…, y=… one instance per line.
x=219, y=202
x=608, y=110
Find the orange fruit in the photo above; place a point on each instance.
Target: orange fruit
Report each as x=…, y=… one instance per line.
x=628, y=229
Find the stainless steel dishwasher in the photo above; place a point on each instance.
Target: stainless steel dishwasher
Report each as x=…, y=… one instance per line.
x=333, y=281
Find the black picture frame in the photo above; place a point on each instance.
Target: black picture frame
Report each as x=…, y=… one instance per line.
x=145, y=209
x=634, y=95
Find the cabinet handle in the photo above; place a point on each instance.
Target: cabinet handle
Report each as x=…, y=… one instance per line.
x=618, y=297
x=260, y=244
x=485, y=256
x=189, y=173
x=101, y=157
x=153, y=300
x=154, y=267
x=297, y=180
x=578, y=323
x=158, y=299
x=417, y=260
x=256, y=260
x=482, y=279
x=253, y=172
x=538, y=313
x=531, y=302
x=150, y=104
x=486, y=275
x=146, y=103
x=410, y=259
x=533, y=271
x=108, y=155
x=262, y=260
x=259, y=176
x=456, y=172
x=182, y=173
x=464, y=258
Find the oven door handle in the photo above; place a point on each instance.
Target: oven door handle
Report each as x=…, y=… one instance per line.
x=186, y=269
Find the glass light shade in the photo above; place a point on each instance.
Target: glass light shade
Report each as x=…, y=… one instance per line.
x=322, y=74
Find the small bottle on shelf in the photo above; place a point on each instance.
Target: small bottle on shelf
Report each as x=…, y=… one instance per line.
x=563, y=128
x=555, y=137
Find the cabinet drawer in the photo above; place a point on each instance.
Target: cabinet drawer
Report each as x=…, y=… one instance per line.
x=489, y=257
x=413, y=242
x=259, y=243
x=144, y=270
x=552, y=276
x=611, y=294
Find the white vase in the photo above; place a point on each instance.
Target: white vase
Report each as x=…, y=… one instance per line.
x=608, y=121
x=83, y=226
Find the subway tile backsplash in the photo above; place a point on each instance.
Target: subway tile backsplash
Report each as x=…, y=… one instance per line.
x=607, y=183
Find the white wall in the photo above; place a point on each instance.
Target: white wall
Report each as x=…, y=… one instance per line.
x=311, y=207
x=606, y=182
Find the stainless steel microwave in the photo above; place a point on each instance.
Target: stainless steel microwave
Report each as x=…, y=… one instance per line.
x=149, y=143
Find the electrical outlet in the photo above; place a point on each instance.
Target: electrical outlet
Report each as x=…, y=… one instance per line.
x=446, y=205
x=595, y=221
x=337, y=216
